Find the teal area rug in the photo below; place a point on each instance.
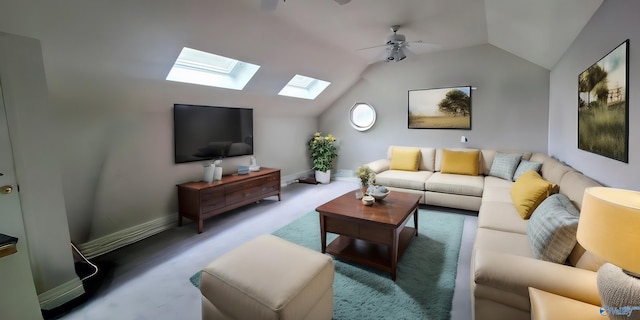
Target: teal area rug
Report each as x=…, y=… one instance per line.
x=425, y=277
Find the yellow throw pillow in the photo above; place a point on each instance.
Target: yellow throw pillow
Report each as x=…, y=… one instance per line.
x=406, y=159
x=529, y=190
x=460, y=162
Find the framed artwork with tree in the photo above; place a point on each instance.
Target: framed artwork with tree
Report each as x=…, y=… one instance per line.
x=603, y=108
x=440, y=108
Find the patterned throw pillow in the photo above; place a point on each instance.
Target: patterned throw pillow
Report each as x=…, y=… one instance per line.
x=504, y=165
x=526, y=165
x=552, y=229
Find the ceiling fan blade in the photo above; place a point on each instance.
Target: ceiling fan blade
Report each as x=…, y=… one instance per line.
x=341, y=2
x=378, y=46
x=269, y=5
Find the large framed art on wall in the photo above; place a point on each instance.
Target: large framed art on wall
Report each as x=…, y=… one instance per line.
x=440, y=108
x=603, y=106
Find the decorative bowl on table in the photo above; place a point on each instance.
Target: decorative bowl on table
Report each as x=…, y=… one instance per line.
x=368, y=200
x=378, y=192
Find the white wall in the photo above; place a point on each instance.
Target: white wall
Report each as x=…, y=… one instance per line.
x=509, y=106
x=614, y=22
x=32, y=134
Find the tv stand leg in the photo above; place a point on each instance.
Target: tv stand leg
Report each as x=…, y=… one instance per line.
x=200, y=225
x=179, y=220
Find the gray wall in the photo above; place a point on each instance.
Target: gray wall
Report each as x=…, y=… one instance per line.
x=614, y=22
x=117, y=165
x=509, y=106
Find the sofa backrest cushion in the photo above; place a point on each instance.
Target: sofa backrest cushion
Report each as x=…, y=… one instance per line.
x=460, y=162
x=427, y=157
x=406, y=159
x=552, y=170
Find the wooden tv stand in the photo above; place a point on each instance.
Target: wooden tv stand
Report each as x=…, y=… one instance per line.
x=201, y=200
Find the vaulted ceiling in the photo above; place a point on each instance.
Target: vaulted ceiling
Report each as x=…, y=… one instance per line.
x=101, y=49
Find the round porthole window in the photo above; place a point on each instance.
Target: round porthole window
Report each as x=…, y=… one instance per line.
x=362, y=116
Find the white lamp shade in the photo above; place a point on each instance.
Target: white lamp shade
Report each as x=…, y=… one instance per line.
x=610, y=226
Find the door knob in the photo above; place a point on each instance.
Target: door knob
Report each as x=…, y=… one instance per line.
x=6, y=189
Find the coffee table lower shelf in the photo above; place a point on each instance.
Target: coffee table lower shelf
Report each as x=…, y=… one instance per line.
x=370, y=254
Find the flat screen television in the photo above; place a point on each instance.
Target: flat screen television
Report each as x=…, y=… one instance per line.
x=208, y=132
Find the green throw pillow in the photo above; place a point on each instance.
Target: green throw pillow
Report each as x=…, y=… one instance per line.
x=526, y=165
x=504, y=165
x=552, y=229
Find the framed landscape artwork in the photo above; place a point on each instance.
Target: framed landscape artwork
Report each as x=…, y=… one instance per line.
x=440, y=108
x=603, y=113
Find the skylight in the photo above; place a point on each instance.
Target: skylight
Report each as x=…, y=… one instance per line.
x=207, y=69
x=304, y=87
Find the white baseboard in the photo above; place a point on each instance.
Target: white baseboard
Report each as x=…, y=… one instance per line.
x=61, y=294
x=127, y=236
x=293, y=178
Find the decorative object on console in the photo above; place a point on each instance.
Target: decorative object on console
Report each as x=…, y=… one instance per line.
x=254, y=166
x=608, y=228
x=243, y=169
x=217, y=171
x=440, y=108
x=603, y=106
x=323, y=152
x=208, y=172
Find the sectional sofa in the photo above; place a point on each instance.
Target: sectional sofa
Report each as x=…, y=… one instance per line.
x=516, y=246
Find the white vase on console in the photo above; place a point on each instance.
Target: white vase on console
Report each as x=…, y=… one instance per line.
x=208, y=173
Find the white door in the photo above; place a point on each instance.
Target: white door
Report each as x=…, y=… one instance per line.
x=18, y=297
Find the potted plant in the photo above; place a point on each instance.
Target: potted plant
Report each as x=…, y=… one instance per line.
x=323, y=151
x=366, y=176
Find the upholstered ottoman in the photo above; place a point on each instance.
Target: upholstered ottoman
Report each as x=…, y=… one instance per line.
x=268, y=278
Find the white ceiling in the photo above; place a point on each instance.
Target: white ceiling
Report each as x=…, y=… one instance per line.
x=97, y=49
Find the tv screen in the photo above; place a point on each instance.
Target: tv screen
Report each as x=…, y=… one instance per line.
x=207, y=132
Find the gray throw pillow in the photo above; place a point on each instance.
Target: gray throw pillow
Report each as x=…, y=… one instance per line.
x=552, y=229
x=526, y=165
x=504, y=165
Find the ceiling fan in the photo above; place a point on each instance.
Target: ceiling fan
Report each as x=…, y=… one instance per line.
x=272, y=4
x=396, y=45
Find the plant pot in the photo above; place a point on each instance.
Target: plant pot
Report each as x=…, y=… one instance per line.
x=323, y=177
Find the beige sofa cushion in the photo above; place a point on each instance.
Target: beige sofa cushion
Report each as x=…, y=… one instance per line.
x=502, y=217
x=501, y=241
x=403, y=179
x=455, y=184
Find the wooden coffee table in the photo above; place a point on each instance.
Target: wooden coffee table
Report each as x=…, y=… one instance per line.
x=375, y=236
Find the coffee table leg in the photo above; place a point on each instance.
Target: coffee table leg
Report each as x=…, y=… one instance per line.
x=394, y=254
x=323, y=234
x=415, y=220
